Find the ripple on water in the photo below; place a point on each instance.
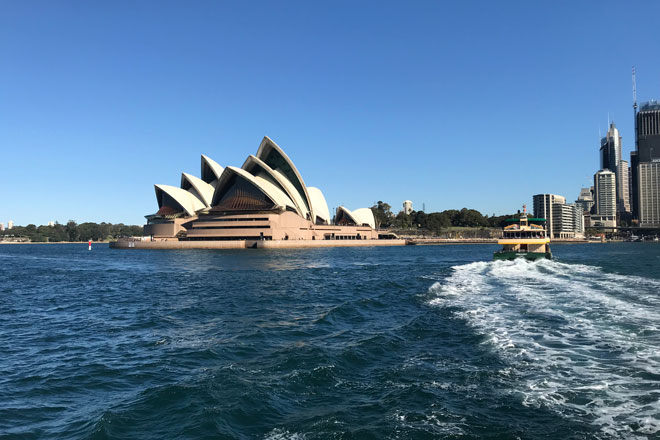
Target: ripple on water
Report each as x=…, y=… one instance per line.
x=328, y=343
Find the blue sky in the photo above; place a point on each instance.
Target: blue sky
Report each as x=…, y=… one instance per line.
x=450, y=104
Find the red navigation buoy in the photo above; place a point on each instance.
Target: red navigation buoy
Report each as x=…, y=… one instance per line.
x=89, y=243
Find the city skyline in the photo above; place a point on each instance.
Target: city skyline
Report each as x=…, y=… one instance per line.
x=426, y=102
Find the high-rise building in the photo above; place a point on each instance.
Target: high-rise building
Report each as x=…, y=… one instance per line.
x=544, y=207
x=2, y=226
x=604, y=199
x=407, y=207
x=648, y=132
x=568, y=220
x=585, y=199
x=649, y=194
x=610, y=149
x=578, y=219
x=645, y=189
x=622, y=187
x=644, y=165
x=10, y=224
x=634, y=202
x=610, y=159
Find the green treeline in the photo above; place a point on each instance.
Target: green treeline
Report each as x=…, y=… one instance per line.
x=72, y=232
x=434, y=222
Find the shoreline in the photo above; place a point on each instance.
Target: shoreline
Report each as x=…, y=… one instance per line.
x=282, y=244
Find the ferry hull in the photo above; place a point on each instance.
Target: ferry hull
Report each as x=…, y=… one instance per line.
x=512, y=255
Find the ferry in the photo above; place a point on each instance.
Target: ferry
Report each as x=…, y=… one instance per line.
x=524, y=237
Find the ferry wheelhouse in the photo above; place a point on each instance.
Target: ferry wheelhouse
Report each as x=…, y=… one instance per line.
x=524, y=237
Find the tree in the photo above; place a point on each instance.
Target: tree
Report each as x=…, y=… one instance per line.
x=437, y=221
x=419, y=219
x=72, y=230
x=402, y=221
x=382, y=214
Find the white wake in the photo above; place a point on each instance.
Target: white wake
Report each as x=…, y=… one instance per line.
x=582, y=342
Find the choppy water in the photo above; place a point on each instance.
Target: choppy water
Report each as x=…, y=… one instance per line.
x=414, y=342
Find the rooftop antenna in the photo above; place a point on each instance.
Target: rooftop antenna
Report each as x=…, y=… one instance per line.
x=634, y=81
x=634, y=84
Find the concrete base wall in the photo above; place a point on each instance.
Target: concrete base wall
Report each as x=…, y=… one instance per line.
x=166, y=229
x=291, y=244
x=271, y=225
x=175, y=244
x=250, y=244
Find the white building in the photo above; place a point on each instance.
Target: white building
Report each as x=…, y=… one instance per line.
x=10, y=224
x=577, y=221
x=605, y=199
x=568, y=220
x=407, y=207
x=544, y=207
x=265, y=199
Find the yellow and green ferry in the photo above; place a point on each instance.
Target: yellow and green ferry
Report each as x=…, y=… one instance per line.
x=524, y=237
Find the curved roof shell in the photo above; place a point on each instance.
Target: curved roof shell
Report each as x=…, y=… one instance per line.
x=256, y=166
x=210, y=170
x=359, y=217
x=197, y=187
x=345, y=214
x=263, y=185
x=271, y=154
x=319, y=205
x=182, y=198
x=365, y=216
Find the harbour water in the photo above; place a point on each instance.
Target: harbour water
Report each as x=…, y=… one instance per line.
x=407, y=342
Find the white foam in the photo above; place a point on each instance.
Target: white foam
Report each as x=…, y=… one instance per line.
x=572, y=333
x=283, y=434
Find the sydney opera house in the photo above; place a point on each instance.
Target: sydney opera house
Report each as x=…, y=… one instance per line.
x=264, y=200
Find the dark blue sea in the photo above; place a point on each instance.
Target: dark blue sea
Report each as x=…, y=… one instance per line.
x=409, y=342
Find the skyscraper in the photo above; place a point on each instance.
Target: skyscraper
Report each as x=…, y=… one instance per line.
x=645, y=165
x=544, y=207
x=649, y=194
x=610, y=149
x=585, y=199
x=604, y=199
x=622, y=187
x=610, y=159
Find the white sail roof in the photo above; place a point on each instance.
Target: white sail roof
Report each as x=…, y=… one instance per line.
x=199, y=188
x=362, y=216
x=256, y=166
x=275, y=194
x=270, y=153
x=211, y=170
x=365, y=216
x=342, y=211
x=186, y=201
x=319, y=205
